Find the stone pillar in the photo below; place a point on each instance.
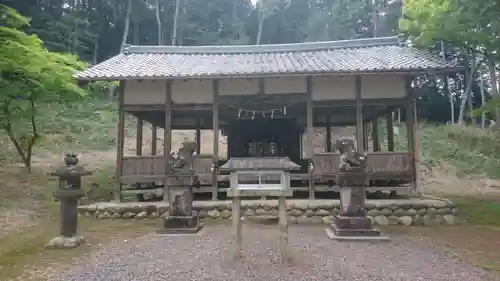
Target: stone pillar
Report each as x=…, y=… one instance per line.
x=352, y=223
x=68, y=193
x=181, y=179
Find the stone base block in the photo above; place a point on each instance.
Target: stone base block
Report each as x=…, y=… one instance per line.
x=353, y=227
x=181, y=225
x=342, y=222
x=332, y=235
x=65, y=242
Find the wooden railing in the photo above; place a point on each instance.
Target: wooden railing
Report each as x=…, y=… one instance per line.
x=144, y=169
x=379, y=165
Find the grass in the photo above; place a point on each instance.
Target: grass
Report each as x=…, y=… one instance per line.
x=24, y=253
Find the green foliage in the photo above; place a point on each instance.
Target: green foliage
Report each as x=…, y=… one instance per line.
x=470, y=150
x=30, y=75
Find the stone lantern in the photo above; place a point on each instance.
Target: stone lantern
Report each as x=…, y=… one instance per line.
x=352, y=222
x=181, y=179
x=68, y=192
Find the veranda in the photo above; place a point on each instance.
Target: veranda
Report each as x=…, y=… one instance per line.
x=264, y=99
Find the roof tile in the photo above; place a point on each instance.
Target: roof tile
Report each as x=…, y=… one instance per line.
x=362, y=55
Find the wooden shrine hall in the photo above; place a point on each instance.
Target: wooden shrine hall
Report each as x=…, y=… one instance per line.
x=264, y=99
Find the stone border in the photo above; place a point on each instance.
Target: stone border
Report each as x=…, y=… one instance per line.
x=381, y=212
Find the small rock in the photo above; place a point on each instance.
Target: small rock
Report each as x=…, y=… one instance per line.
x=443, y=211
x=427, y=220
x=431, y=211
x=386, y=212
x=301, y=206
x=154, y=215
x=393, y=220
x=250, y=212
x=400, y=213
x=381, y=220
x=322, y=213
x=327, y=219
x=116, y=216
x=449, y=220
x=411, y=212
x=317, y=219
x=104, y=215
x=225, y=214
x=454, y=211
x=406, y=220
x=373, y=213
x=128, y=215
x=309, y=213
x=141, y=215
x=439, y=219
x=260, y=212
x=421, y=211
x=214, y=214
x=417, y=220
x=273, y=212
x=393, y=207
x=65, y=243
x=295, y=213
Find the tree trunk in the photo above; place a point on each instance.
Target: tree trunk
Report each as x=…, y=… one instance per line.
x=260, y=14
x=94, y=52
x=494, y=89
x=127, y=25
x=176, y=18
x=468, y=82
x=483, y=101
x=446, y=88
x=158, y=23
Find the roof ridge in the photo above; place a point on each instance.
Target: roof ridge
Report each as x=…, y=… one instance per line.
x=274, y=48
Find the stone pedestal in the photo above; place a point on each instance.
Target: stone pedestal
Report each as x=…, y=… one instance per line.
x=180, y=219
x=352, y=223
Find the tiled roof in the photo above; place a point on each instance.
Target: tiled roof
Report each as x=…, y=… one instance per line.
x=347, y=56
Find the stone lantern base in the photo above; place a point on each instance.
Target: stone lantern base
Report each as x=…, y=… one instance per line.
x=352, y=223
x=181, y=225
x=65, y=242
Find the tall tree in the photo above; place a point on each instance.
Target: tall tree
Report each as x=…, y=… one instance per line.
x=30, y=75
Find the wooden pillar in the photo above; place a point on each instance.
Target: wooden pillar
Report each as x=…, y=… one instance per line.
x=411, y=127
x=360, y=132
x=198, y=136
x=138, y=143
x=375, y=140
x=283, y=223
x=310, y=134
x=237, y=239
x=167, y=137
x=365, y=136
x=138, y=150
x=154, y=139
x=328, y=135
x=215, y=127
x=390, y=132
x=120, y=142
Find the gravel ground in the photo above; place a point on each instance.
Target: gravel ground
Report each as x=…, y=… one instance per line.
x=207, y=257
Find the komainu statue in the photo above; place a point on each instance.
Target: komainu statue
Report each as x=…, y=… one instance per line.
x=349, y=157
